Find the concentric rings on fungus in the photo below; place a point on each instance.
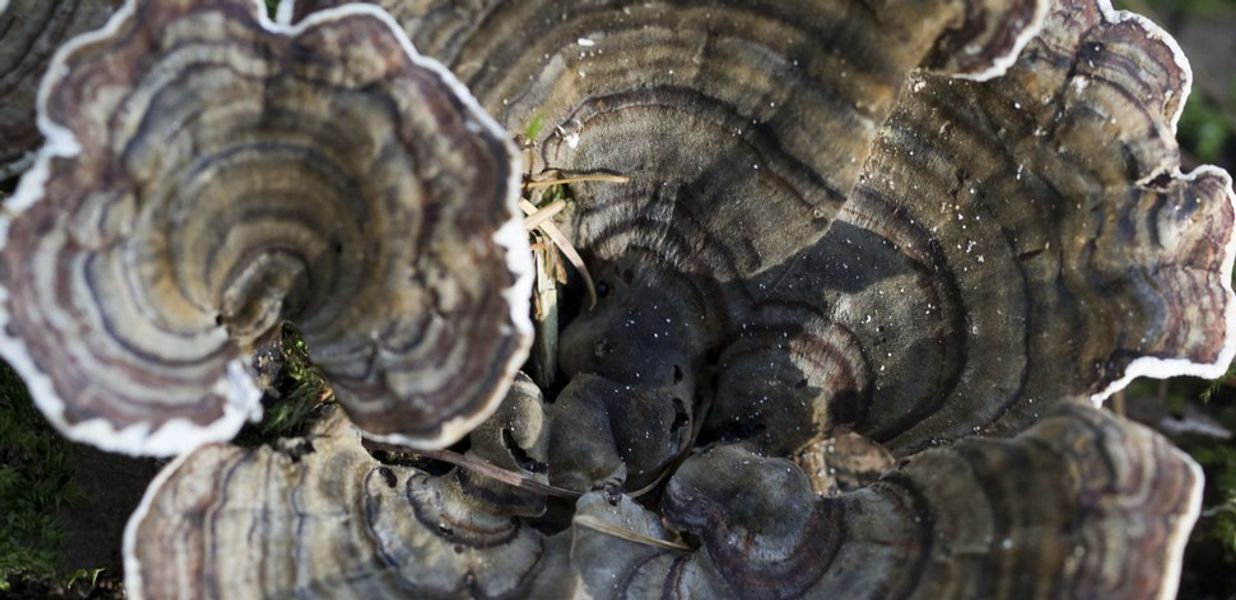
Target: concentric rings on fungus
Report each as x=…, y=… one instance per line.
x=830, y=229
x=707, y=107
x=209, y=174
x=1011, y=244
x=1080, y=505
x=318, y=517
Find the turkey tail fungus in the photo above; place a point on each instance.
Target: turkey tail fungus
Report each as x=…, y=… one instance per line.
x=871, y=271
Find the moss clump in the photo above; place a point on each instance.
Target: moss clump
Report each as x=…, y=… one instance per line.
x=534, y=127
x=297, y=392
x=36, y=473
x=1211, y=552
x=1204, y=128
x=1220, y=462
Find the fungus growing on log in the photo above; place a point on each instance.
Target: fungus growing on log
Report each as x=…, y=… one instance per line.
x=320, y=517
x=209, y=174
x=30, y=32
x=1047, y=513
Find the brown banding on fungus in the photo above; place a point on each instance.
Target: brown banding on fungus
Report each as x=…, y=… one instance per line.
x=1011, y=243
x=994, y=250
x=829, y=232
x=842, y=463
x=704, y=108
x=319, y=517
x=1081, y=505
x=30, y=32
x=209, y=174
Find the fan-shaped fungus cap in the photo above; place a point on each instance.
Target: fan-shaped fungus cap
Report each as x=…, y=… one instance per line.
x=30, y=32
x=320, y=517
x=208, y=174
x=1012, y=243
x=1083, y=505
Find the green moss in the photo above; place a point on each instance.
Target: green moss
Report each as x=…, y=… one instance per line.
x=271, y=7
x=35, y=479
x=1220, y=464
x=299, y=392
x=1215, y=386
x=534, y=127
x=84, y=575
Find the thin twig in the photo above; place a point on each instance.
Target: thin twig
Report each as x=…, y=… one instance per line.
x=544, y=214
x=482, y=468
x=1215, y=511
x=564, y=245
x=545, y=313
x=596, y=524
x=598, y=177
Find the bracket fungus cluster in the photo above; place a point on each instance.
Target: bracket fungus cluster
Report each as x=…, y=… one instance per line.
x=871, y=270
x=982, y=519
x=321, y=517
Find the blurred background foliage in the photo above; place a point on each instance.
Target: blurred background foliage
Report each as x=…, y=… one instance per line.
x=35, y=479
x=1200, y=416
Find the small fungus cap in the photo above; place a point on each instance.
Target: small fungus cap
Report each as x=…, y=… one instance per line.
x=320, y=517
x=209, y=174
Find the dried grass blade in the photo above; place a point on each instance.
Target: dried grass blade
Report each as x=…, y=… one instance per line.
x=596, y=524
